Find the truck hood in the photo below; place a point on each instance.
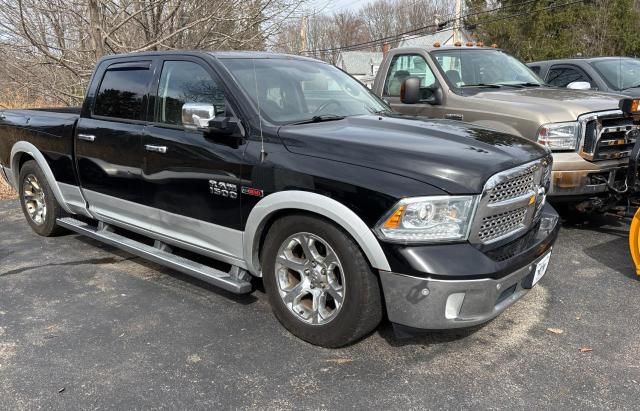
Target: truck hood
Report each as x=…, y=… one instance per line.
x=632, y=92
x=559, y=104
x=453, y=156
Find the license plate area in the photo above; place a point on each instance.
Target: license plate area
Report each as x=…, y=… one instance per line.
x=539, y=270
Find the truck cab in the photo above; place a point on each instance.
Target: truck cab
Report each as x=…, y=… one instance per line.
x=613, y=74
x=588, y=133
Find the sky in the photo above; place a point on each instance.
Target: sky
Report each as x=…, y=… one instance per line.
x=337, y=5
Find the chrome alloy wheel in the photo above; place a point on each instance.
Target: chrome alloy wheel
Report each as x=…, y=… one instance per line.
x=310, y=278
x=34, y=200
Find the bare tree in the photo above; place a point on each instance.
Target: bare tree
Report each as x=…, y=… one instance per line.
x=380, y=19
x=51, y=46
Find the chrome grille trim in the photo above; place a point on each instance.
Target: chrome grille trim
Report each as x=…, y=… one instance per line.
x=513, y=188
x=496, y=226
x=511, y=202
x=606, y=142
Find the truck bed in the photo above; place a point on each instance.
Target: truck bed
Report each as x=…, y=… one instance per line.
x=50, y=129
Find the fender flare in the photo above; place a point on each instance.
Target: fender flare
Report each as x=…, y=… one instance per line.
x=315, y=203
x=28, y=148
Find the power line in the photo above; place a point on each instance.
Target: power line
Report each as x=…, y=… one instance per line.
x=399, y=36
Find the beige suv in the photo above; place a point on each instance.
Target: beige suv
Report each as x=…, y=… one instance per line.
x=590, y=136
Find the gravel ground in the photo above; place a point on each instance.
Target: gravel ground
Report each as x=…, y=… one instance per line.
x=85, y=326
x=6, y=192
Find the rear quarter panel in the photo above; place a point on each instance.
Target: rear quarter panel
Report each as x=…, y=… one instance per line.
x=50, y=133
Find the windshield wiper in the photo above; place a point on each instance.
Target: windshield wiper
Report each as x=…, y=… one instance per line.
x=636, y=86
x=320, y=119
x=519, y=85
x=482, y=85
x=530, y=84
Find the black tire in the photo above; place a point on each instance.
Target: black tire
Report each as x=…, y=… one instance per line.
x=48, y=227
x=361, y=309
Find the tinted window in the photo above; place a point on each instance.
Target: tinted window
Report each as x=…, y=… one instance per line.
x=563, y=76
x=186, y=82
x=535, y=69
x=405, y=66
x=620, y=74
x=122, y=94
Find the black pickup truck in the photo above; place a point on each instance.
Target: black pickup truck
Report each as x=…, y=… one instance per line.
x=230, y=165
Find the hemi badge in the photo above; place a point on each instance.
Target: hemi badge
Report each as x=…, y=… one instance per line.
x=252, y=191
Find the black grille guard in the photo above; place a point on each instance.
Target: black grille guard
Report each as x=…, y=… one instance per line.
x=632, y=170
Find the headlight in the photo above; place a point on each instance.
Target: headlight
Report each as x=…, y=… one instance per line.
x=559, y=136
x=425, y=219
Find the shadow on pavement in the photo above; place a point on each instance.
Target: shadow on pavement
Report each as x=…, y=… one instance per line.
x=425, y=337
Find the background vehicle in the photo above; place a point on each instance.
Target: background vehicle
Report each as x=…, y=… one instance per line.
x=612, y=74
x=588, y=133
x=229, y=166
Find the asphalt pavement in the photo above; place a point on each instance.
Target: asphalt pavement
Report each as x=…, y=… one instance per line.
x=85, y=326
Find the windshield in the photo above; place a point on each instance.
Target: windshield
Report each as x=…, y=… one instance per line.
x=292, y=91
x=467, y=68
x=620, y=74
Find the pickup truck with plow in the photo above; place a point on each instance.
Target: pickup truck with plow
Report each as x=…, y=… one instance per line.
x=233, y=166
x=590, y=135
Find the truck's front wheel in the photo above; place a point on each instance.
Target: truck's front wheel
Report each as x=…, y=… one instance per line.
x=39, y=205
x=319, y=283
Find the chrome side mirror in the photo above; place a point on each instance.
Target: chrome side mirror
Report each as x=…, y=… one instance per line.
x=579, y=85
x=197, y=115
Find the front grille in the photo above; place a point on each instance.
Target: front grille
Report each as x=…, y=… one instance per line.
x=497, y=226
x=513, y=188
x=515, y=247
x=608, y=136
x=511, y=202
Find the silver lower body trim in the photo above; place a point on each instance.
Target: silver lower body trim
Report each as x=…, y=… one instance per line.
x=218, y=242
x=444, y=304
x=74, y=199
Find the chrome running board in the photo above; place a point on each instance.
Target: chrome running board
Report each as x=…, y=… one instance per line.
x=235, y=281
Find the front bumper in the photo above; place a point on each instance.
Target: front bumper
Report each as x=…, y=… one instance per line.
x=463, y=300
x=574, y=176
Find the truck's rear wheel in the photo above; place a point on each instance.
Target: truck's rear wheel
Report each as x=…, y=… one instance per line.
x=39, y=205
x=319, y=283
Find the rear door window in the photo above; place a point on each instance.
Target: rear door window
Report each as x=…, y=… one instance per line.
x=123, y=93
x=535, y=69
x=562, y=76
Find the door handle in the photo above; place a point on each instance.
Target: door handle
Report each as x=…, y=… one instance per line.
x=458, y=117
x=87, y=137
x=156, y=149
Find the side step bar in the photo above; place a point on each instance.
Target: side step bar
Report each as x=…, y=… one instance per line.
x=235, y=281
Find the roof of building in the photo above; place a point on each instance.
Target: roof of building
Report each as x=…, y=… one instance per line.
x=359, y=62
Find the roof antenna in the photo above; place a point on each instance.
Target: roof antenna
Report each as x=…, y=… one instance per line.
x=255, y=79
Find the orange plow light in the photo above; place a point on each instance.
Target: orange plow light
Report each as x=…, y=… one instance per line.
x=629, y=105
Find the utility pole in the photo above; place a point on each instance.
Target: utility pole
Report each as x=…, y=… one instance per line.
x=456, y=24
x=303, y=34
